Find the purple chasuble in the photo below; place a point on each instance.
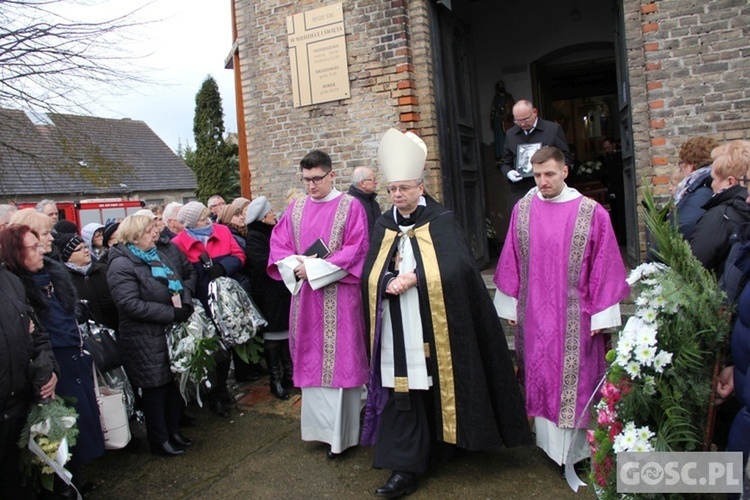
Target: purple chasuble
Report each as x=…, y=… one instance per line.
x=326, y=326
x=562, y=263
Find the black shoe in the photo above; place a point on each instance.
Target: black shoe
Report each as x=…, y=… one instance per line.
x=331, y=455
x=219, y=408
x=166, y=449
x=187, y=420
x=399, y=484
x=180, y=440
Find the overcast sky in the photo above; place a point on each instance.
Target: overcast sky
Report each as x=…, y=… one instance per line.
x=190, y=40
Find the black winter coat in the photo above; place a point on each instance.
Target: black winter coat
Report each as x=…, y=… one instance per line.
x=94, y=289
x=726, y=213
x=271, y=296
x=369, y=202
x=145, y=307
x=26, y=361
x=690, y=208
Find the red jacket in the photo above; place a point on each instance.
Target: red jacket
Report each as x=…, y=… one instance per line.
x=220, y=244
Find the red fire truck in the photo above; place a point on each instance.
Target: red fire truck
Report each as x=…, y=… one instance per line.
x=102, y=211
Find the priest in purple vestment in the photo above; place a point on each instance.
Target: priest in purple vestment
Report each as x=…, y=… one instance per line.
x=560, y=279
x=318, y=249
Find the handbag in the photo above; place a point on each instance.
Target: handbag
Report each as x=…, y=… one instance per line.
x=100, y=342
x=113, y=415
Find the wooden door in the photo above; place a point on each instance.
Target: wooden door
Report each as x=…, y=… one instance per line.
x=458, y=128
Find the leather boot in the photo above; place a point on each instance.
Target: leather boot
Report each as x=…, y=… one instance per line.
x=286, y=361
x=272, y=351
x=62, y=491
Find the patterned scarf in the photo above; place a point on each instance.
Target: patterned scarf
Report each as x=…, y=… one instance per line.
x=81, y=269
x=159, y=270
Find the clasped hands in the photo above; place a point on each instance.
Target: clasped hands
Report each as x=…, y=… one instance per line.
x=300, y=272
x=401, y=283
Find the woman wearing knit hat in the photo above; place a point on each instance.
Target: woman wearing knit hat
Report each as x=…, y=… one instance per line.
x=51, y=294
x=89, y=278
x=271, y=296
x=213, y=252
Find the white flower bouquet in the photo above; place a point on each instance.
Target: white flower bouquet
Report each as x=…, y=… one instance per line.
x=49, y=433
x=236, y=316
x=191, y=347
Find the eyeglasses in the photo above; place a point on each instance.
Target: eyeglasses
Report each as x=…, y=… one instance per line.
x=218, y=204
x=403, y=189
x=314, y=180
x=371, y=179
x=81, y=248
x=521, y=120
x=39, y=248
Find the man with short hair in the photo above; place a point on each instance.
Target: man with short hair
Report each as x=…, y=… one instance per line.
x=215, y=203
x=318, y=249
x=48, y=208
x=559, y=280
x=172, y=226
x=6, y=211
x=441, y=374
x=529, y=134
x=364, y=184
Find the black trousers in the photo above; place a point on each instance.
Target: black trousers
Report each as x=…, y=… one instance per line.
x=162, y=407
x=404, y=436
x=10, y=475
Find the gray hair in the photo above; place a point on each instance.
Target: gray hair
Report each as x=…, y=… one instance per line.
x=171, y=210
x=6, y=211
x=360, y=174
x=40, y=206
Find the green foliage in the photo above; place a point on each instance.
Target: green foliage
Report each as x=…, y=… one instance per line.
x=251, y=351
x=214, y=161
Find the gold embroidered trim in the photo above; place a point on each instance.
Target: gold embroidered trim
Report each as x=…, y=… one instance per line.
x=523, y=233
x=444, y=359
x=378, y=269
x=426, y=350
x=401, y=384
x=571, y=356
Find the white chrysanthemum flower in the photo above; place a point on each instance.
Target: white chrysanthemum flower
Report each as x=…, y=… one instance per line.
x=662, y=360
x=641, y=301
x=659, y=302
x=645, y=354
x=649, y=385
x=625, y=347
x=625, y=441
x=623, y=360
x=648, y=315
x=633, y=368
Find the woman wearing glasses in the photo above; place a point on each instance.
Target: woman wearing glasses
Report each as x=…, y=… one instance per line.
x=53, y=298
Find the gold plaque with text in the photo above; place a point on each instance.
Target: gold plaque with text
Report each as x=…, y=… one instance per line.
x=317, y=53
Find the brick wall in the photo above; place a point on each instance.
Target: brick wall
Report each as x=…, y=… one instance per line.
x=689, y=69
x=390, y=70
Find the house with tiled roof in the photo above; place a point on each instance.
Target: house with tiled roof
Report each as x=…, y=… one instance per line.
x=69, y=157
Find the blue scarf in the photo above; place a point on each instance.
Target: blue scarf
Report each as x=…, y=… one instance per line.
x=202, y=234
x=159, y=270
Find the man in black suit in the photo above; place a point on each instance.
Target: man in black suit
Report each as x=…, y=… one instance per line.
x=529, y=134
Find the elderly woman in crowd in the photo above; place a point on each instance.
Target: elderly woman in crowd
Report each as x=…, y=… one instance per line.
x=52, y=295
x=40, y=223
x=93, y=235
x=213, y=252
x=89, y=278
x=271, y=296
x=28, y=367
x=695, y=188
x=149, y=294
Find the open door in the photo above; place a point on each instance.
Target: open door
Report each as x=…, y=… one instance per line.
x=458, y=130
x=626, y=137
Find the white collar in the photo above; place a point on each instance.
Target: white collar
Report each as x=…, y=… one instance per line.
x=532, y=128
x=335, y=193
x=422, y=202
x=567, y=194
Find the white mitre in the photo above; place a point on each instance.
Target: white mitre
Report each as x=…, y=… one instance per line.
x=401, y=157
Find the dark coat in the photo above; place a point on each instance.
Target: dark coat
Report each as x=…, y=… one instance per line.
x=145, y=307
x=272, y=297
x=739, y=437
x=94, y=289
x=369, y=202
x=486, y=404
x=26, y=361
x=173, y=253
x=726, y=213
x=690, y=208
x=547, y=133
x=57, y=313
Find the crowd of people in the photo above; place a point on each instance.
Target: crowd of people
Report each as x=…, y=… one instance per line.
x=381, y=320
